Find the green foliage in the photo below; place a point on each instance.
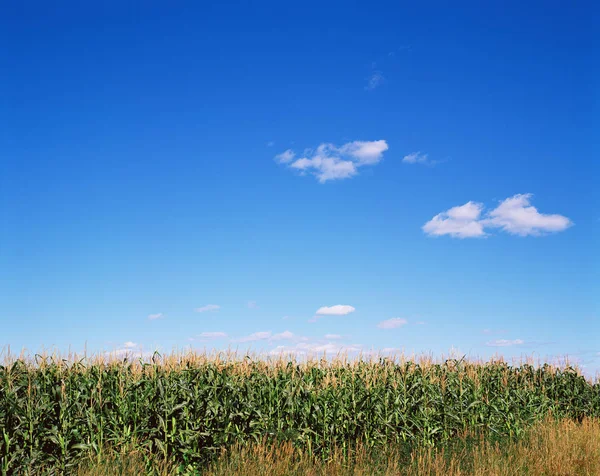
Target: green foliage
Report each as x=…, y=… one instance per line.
x=187, y=410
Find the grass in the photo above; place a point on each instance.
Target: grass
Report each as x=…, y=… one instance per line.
x=549, y=448
x=186, y=410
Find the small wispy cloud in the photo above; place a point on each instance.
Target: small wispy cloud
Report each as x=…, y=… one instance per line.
x=392, y=323
x=375, y=80
x=208, y=308
x=493, y=331
x=158, y=315
x=121, y=353
x=415, y=158
x=252, y=305
x=285, y=157
x=270, y=143
x=316, y=348
x=514, y=215
x=265, y=336
x=337, y=310
x=504, y=342
x=420, y=158
x=212, y=335
x=262, y=335
x=285, y=335
x=128, y=350
x=313, y=347
x=329, y=162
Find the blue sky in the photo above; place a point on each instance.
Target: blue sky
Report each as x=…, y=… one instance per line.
x=309, y=177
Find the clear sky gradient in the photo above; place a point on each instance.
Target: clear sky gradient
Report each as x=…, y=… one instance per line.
x=310, y=176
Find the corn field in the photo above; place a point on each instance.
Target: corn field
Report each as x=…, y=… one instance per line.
x=187, y=408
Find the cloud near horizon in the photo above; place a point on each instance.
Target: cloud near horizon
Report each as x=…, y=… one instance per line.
x=212, y=335
x=265, y=335
x=331, y=349
x=316, y=348
x=329, y=162
x=504, y=342
x=283, y=335
x=514, y=215
x=127, y=350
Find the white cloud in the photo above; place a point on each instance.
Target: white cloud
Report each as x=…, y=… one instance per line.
x=455, y=352
x=213, y=335
x=309, y=347
x=329, y=162
x=285, y=335
x=514, y=215
x=504, y=342
x=268, y=336
x=337, y=310
x=388, y=350
x=128, y=353
x=252, y=305
x=366, y=152
x=208, y=308
x=326, y=168
x=129, y=350
x=416, y=158
x=375, y=80
x=270, y=143
x=333, y=336
x=285, y=157
x=121, y=353
x=316, y=348
x=392, y=323
x=152, y=317
x=263, y=335
x=493, y=331
x=458, y=222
